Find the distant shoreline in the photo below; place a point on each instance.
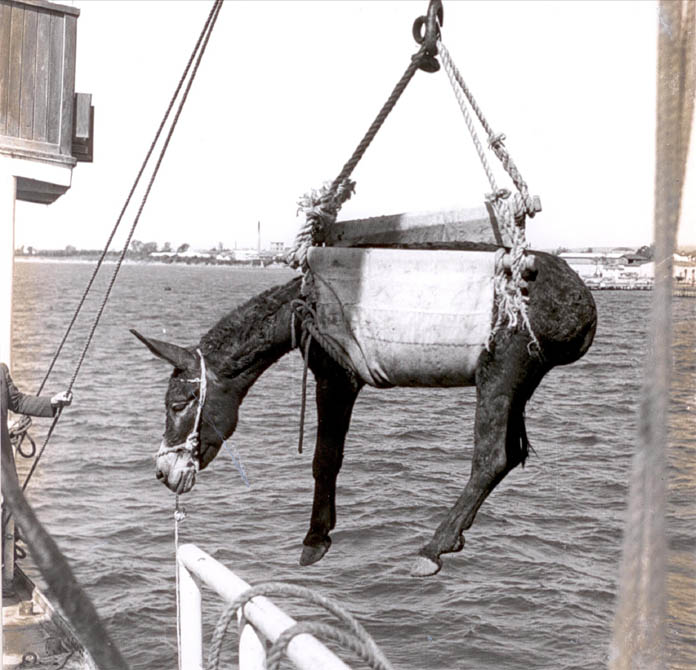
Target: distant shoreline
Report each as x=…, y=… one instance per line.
x=207, y=262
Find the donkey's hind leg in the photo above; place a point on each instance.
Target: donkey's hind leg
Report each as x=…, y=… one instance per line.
x=505, y=379
x=336, y=396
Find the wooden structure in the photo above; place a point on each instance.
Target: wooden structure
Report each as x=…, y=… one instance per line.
x=35, y=634
x=475, y=225
x=41, y=118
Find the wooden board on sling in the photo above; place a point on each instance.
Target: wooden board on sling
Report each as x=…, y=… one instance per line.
x=478, y=224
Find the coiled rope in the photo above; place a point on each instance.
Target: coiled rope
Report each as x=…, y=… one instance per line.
x=352, y=636
x=196, y=54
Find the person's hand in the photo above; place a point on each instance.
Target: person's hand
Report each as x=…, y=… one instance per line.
x=62, y=399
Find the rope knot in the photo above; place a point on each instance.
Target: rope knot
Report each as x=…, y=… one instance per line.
x=497, y=196
x=495, y=142
x=320, y=207
x=179, y=511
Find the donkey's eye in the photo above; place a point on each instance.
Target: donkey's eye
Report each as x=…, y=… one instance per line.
x=179, y=406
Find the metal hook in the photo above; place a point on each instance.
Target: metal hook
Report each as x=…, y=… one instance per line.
x=428, y=38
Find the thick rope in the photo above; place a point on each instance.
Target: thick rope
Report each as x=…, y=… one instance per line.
x=321, y=206
x=356, y=637
x=201, y=47
x=640, y=621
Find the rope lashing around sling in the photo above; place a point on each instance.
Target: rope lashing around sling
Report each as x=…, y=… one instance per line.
x=320, y=207
x=353, y=637
x=196, y=55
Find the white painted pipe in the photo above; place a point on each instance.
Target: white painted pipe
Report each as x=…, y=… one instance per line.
x=305, y=651
x=252, y=650
x=191, y=626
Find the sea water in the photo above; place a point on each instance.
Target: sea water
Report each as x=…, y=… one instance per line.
x=535, y=584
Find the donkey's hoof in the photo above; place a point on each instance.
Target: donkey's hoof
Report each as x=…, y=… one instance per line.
x=315, y=552
x=424, y=567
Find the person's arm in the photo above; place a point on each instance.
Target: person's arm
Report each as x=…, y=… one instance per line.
x=21, y=403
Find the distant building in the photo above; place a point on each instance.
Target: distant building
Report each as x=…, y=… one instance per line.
x=594, y=264
x=244, y=255
x=625, y=267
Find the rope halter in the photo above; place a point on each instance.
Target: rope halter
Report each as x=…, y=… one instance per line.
x=193, y=440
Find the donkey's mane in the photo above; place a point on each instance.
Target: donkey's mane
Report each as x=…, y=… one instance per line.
x=236, y=341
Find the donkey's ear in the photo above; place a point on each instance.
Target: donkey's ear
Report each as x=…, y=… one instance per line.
x=179, y=357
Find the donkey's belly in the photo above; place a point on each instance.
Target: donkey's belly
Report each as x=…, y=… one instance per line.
x=406, y=317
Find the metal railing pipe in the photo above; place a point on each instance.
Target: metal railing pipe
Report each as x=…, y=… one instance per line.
x=190, y=623
x=305, y=651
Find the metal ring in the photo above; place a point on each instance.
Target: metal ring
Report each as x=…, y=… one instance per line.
x=30, y=658
x=417, y=30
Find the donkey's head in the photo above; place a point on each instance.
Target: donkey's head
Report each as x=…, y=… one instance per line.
x=201, y=411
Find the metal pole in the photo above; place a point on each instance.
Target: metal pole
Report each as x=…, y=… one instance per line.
x=190, y=623
x=252, y=651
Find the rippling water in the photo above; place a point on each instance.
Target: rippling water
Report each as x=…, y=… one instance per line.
x=535, y=584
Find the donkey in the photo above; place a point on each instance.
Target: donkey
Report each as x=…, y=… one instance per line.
x=210, y=381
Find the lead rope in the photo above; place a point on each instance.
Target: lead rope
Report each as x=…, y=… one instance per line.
x=200, y=48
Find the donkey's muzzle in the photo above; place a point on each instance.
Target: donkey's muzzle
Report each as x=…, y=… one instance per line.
x=176, y=468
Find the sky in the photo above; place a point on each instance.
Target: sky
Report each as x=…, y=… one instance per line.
x=287, y=89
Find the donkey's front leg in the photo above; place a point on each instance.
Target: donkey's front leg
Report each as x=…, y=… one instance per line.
x=505, y=379
x=335, y=399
